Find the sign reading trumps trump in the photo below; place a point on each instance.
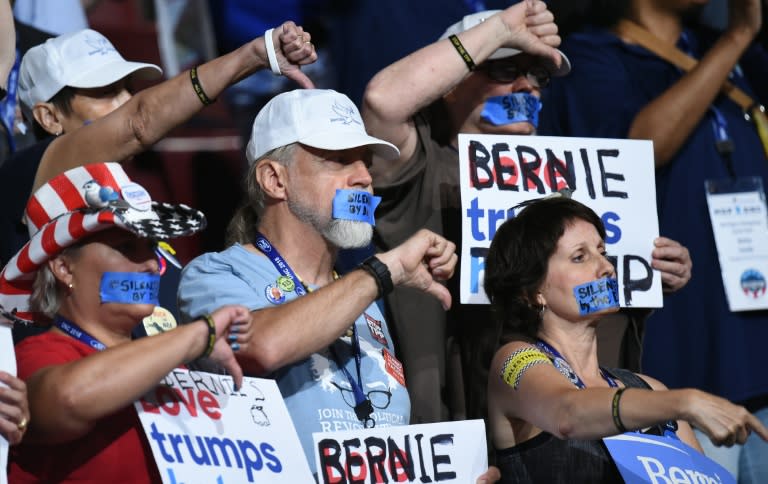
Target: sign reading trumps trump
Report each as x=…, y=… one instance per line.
x=614, y=177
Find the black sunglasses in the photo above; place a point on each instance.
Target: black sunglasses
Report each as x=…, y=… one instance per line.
x=506, y=72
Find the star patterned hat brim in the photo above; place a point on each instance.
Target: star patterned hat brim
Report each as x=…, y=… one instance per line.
x=62, y=215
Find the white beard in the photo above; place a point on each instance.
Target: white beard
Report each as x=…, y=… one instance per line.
x=343, y=234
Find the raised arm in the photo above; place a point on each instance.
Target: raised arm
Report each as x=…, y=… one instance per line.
x=399, y=91
x=7, y=42
x=153, y=112
x=287, y=333
x=548, y=401
x=67, y=400
x=670, y=118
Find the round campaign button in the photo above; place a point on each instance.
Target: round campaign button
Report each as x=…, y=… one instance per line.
x=160, y=321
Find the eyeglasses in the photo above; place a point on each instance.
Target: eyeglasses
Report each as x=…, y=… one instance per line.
x=379, y=398
x=505, y=72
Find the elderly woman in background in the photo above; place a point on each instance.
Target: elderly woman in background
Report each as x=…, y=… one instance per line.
x=549, y=402
x=92, y=266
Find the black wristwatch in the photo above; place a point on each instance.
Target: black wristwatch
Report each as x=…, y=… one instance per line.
x=380, y=273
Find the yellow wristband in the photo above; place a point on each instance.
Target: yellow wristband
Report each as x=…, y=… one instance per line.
x=211, y=336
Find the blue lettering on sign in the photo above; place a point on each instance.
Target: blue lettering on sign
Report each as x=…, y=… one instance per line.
x=129, y=288
x=643, y=458
x=476, y=266
x=612, y=231
x=216, y=451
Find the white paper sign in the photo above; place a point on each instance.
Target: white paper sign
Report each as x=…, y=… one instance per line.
x=7, y=364
x=614, y=177
x=203, y=431
x=740, y=226
x=441, y=452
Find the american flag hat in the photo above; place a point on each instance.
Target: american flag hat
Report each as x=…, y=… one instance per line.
x=76, y=204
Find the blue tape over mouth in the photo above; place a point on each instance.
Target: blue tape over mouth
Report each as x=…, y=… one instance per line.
x=518, y=107
x=356, y=205
x=129, y=288
x=597, y=295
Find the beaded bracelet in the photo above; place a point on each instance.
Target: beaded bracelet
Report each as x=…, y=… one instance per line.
x=211, y=336
x=615, y=410
x=462, y=52
x=199, y=88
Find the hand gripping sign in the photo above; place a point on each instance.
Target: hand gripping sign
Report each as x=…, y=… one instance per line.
x=202, y=430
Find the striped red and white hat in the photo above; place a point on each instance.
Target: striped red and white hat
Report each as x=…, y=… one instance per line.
x=76, y=204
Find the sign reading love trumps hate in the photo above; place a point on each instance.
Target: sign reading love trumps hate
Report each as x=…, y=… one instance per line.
x=614, y=177
x=441, y=452
x=203, y=430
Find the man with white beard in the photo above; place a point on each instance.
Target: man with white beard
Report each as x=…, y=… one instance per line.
x=320, y=336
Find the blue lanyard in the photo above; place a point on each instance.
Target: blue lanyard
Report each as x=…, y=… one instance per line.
x=669, y=427
x=78, y=333
x=8, y=105
x=564, y=368
x=282, y=267
x=363, y=406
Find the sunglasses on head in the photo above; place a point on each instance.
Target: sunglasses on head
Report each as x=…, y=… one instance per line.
x=507, y=72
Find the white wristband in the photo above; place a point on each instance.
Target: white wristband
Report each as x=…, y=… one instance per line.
x=271, y=55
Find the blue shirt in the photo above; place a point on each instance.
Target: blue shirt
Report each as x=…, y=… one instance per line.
x=695, y=340
x=317, y=394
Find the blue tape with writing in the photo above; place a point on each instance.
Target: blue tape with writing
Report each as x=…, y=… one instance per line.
x=129, y=288
x=355, y=205
x=518, y=107
x=597, y=295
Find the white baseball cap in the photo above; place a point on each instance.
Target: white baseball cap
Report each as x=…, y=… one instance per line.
x=320, y=118
x=477, y=18
x=81, y=59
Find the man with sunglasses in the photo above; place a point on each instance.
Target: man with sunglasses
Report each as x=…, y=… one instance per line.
x=472, y=80
x=420, y=104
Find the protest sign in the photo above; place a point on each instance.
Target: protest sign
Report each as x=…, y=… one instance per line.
x=441, y=452
x=203, y=430
x=8, y=365
x=654, y=459
x=614, y=177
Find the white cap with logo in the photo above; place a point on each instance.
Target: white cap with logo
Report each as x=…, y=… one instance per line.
x=320, y=118
x=82, y=59
x=477, y=18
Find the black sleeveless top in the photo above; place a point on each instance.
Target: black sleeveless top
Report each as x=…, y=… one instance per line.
x=549, y=460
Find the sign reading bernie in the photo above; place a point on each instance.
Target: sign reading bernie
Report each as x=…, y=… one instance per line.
x=203, y=430
x=614, y=177
x=440, y=452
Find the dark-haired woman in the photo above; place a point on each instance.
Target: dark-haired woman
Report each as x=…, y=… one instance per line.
x=550, y=403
